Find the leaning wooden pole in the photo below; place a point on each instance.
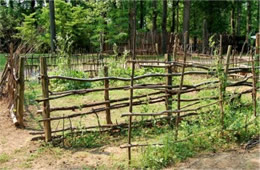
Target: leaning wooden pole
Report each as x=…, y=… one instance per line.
x=20, y=91
x=45, y=94
x=133, y=29
x=181, y=84
x=106, y=96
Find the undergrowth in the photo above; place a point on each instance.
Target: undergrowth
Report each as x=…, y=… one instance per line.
x=207, y=137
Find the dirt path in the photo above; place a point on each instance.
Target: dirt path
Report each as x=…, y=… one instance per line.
x=237, y=159
x=11, y=138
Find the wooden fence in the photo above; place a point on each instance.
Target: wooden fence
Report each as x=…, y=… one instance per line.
x=163, y=93
x=166, y=92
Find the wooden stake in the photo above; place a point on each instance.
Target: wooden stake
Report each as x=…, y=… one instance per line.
x=106, y=96
x=254, y=85
x=180, y=88
x=45, y=94
x=220, y=46
x=20, y=88
x=168, y=70
x=222, y=86
x=133, y=19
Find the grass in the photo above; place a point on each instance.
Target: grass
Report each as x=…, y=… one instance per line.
x=4, y=158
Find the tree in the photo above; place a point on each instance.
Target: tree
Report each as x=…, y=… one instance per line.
x=164, y=24
x=174, y=6
x=155, y=13
x=142, y=8
x=186, y=18
x=52, y=25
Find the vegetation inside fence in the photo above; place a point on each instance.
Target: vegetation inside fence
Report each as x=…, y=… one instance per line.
x=134, y=84
x=197, y=133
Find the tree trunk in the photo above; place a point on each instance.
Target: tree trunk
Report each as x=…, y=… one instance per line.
x=249, y=17
x=154, y=16
x=258, y=15
x=130, y=25
x=33, y=6
x=142, y=14
x=186, y=19
x=52, y=25
x=205, y=37
x=164, y=23
x=238, y=17
x=232, y=21
x=174, y=5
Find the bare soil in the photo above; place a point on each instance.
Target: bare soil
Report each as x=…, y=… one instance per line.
x=22, y=153
x=234, y=159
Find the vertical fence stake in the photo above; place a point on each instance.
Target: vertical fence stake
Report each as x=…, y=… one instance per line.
x=174, y=54
x=168, y=70
x=45, y=93
x=133, y=33
x=220, y=46
x=222, y=86
x=181, y=84
x=106, y=96
x=20, y=90
x=254, y=85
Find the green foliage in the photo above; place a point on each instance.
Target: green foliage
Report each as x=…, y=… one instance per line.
x=91, y=140
x=31, y=95
x=62, y=85
x=240, y=125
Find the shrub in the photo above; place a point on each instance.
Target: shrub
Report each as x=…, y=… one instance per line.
x=62, y=85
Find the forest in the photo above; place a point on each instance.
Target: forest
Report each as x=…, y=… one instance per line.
x=129, y=84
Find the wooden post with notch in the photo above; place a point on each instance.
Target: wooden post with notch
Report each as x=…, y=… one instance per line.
x=45, y=94
x=168, y=101
x=20, y=91
x=106, y=96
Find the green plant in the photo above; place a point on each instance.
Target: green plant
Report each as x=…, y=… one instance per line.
x=91, y=140
x=4, y=158
x=62, y=85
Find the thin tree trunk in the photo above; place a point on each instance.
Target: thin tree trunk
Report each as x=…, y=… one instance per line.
x=232, y=21
x=186, y=19
x=142, y=14
x=52, y=24
x=174, y=5
x=249, y=17
x=258, y=15
x=154, y=16
x=164, y=23
x=238, y=18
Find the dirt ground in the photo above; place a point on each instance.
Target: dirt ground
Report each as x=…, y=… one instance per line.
x=234, y=159
x=17, y=151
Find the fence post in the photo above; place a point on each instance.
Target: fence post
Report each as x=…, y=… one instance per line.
x=45, y=94
x=222, y=86
x=20, y=91
x=180, y=87
x=220, y=46
x=106, y=96
x=168, y=70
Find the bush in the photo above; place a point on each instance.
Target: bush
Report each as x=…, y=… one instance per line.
x=62, y=85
